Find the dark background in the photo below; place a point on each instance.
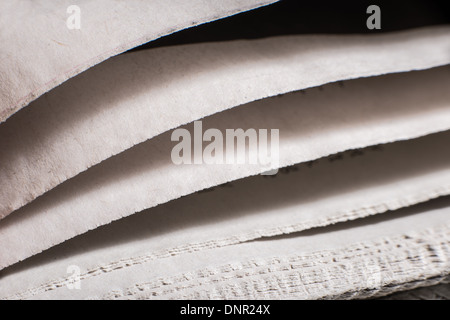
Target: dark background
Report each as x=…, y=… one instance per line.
x=289, y=17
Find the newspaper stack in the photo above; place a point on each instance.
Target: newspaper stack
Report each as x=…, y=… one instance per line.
x=224, y=161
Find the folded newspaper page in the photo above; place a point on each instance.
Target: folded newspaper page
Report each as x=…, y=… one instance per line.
x=55, y=43
x=365, y=258
x=224, y=150
x=130, y=99
x=147, y=176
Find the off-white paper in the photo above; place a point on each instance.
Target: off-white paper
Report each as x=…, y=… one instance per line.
x=40, y=49
x=134, y=97
x=364, y=112
x=366, y=258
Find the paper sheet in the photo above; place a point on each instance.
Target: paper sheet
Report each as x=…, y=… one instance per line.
x=361, y=259
x=130, y=98
x=39, y=51
x=364, y=112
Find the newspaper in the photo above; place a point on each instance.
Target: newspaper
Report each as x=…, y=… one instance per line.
x=130, y=99
x=417, y=172
x=366, y=258
x=40, y=49
x=288, y=166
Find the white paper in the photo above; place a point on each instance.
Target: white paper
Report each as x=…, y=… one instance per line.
x=134, y=97
x=362, y=259
x=39, y=51
x=364, y=112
